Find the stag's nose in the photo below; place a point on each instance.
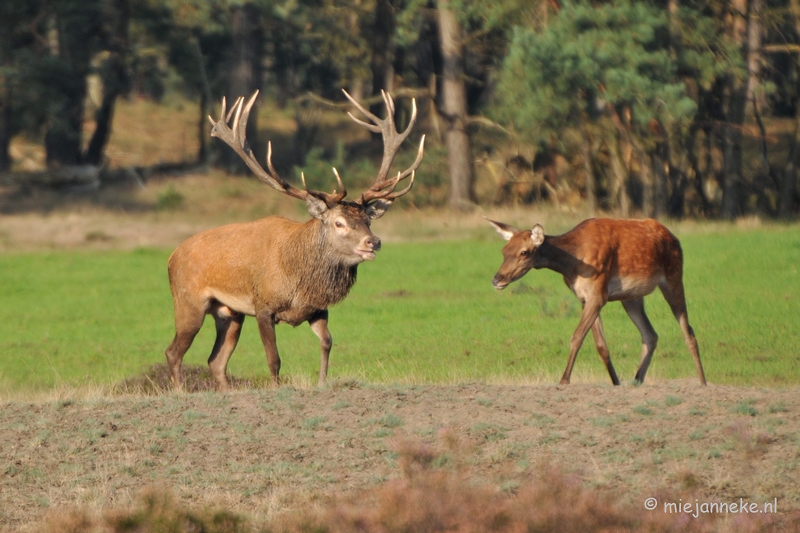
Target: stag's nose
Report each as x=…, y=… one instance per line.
x=498, y=283
x=374, y=243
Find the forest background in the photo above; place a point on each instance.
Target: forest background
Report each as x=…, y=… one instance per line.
x=659, y=108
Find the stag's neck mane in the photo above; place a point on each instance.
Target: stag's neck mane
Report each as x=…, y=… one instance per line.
x=320, y=279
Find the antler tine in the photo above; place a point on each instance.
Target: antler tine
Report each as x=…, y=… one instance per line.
x=269, y=162
x=389, y=102
x=390, y=197
x=243, y=115
x=336, y=197
x=329, y=199
x=392, y=140
x=342, y=188
x=385, y=189
x=411, y=121
x=372, y=127
x=233, y=109
x=235, y=136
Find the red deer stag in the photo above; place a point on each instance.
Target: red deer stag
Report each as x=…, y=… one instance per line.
x=605, y=260
x=275, y=269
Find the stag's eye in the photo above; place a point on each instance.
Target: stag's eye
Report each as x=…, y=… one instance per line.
x=339, y=224
x=523, y=253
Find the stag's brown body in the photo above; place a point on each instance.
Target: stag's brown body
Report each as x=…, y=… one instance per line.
x=605, y=260
x=275, y=269
x=271, y=265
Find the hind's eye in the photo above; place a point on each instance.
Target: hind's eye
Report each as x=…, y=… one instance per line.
x=524, y=252
x=339, y=224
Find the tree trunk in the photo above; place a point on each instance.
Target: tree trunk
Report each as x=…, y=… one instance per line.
x=661, y=170
x=115, y=79
x=244, y=75
x=454, y=109
x=786, y=196
x=648, y=184
x=735, y=114
x=646, y=176
x=5, y=124
x=755, y=29
x=381, y=62
x=72, y=30
x=203, y=130
x=694, y=171
x=63, y=139
x=619, y=186
x=588, y=168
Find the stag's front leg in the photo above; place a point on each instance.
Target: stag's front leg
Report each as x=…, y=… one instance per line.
x=319, y=325
x=266, y=327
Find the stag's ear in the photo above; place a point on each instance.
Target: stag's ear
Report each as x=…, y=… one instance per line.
x=316, y=207
x=504, y=230
x=537, y=234
x=377, y=209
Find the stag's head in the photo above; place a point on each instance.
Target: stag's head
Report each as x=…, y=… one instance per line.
x=518, y=253
x=347, y=223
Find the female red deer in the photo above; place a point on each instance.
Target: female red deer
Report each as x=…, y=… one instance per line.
x=604, y=260
x=275, y=269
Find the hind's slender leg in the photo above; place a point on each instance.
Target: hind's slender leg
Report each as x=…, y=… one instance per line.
x=635, y=310
x=229, y=326
x=602, y=348
x=674, y=294
x=319, y=325
x=591, y=310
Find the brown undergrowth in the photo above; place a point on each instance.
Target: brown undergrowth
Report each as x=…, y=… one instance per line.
x=196, y=378
x=433, y=493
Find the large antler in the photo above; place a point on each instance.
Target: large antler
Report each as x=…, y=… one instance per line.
x=235, y=137
x=384, y=188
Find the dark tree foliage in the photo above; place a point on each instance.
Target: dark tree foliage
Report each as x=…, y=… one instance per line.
x=651, y=103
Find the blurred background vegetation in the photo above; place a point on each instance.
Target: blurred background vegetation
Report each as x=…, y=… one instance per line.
x=668, y=108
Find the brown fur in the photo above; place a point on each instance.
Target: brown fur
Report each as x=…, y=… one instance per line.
x=605, y=260
x=274, y=269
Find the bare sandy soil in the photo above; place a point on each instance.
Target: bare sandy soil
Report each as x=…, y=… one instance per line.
x=261, y=452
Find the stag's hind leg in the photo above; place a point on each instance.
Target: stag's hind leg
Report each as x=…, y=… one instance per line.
x=602, y=348
x=635, y=310
x=188, y=321
x=672, y=289
x=229, y=326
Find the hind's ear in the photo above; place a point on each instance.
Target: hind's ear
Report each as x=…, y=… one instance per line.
x=504, y=230
x=537, y=235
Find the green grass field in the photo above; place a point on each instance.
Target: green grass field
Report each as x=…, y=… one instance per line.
x=422, y=312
